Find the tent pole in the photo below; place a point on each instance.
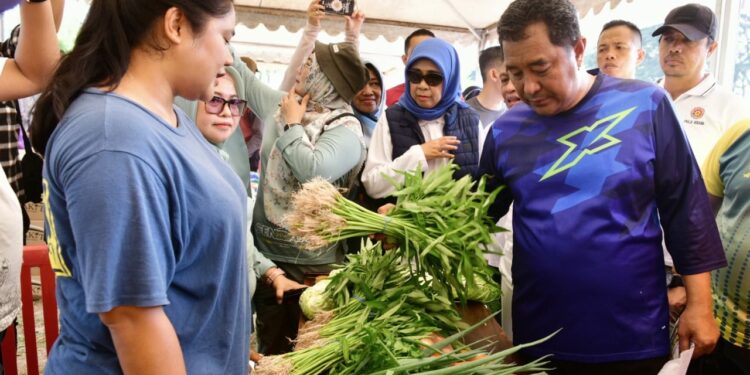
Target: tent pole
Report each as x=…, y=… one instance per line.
x=722, y=65
x=463, y=19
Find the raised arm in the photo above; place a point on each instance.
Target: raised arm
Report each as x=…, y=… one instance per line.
x=305, y=46
x=261, y=98
x=58, y=8
x=353, y=27
x=37, y=53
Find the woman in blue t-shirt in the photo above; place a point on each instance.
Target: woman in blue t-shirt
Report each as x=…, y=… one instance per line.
x=145, y=225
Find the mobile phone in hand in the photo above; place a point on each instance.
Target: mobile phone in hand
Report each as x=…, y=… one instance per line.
x=340, y=7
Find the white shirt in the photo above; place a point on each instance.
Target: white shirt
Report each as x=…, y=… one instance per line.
x=706, y=111
x=11, y=253
x=379, y=158
x=11, y=248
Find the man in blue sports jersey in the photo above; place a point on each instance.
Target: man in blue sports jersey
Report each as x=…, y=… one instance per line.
x=596, y=167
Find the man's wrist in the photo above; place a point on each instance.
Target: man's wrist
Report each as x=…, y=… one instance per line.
x=676, y=281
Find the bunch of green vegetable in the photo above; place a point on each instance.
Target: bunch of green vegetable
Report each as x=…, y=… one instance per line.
x=375, y=348
x=380, y=304
x=388, y=305
x=441, y=224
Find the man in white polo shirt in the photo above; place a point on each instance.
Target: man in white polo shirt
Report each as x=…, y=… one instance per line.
x=687, y=39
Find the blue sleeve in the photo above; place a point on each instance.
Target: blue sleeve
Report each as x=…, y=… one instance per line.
x=690, y=231
x=120, y=218
x=488, y=167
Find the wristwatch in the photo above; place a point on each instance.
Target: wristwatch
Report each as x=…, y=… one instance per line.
x=287, y=126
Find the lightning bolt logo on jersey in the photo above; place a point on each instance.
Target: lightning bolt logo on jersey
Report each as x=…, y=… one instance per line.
x=586, y=141
x=585, y=186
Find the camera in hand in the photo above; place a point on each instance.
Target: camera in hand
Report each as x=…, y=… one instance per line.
x=342, y=7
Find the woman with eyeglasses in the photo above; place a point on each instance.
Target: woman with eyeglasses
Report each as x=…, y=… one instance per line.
x=430, y=126
x=217, y=119
x=145, y=224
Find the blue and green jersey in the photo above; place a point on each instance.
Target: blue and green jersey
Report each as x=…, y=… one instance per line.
x=592, y=189
x=727, y=171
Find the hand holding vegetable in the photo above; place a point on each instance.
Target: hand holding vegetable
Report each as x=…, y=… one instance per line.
x=386, y=208
x=280, y=283
x=440, y=148
x=382, y=238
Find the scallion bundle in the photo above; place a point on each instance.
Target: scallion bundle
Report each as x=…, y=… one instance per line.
x=441, y=224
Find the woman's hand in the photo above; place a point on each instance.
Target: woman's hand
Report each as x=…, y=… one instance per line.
x=386, y=208
x=440, y=148
x=385, y=241
x=292, y=110
x=281, y=284
x=354, y=22
x=315, y=13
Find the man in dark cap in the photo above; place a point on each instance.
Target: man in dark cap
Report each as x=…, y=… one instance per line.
x=686, y=40
x=705, y=109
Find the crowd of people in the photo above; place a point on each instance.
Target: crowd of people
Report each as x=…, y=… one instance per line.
x=627, y=200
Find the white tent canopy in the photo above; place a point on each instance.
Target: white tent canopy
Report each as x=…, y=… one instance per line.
x=269, y=30
x=464, y=21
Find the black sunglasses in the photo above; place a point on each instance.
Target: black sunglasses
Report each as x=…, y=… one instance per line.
x=217, y=103
x=416, y=77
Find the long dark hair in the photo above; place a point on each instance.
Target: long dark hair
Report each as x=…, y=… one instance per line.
x=112, y=29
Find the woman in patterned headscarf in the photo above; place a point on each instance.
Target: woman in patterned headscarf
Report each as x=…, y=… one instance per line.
x=315, y=135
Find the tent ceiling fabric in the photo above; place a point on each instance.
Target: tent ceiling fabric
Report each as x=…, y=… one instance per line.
x=397, y=18
x=584, y=6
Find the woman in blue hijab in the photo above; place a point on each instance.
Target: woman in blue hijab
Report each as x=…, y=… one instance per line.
x=430, y=126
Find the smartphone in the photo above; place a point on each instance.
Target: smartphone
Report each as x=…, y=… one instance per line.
x=341, y=7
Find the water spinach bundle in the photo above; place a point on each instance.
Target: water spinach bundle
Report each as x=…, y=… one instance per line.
x=440, y=224
x=384, y=321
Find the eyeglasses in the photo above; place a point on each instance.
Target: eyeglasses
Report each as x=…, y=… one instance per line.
x=216, y=105
x=416, y=77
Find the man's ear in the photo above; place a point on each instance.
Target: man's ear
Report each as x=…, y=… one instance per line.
x=641, y=56
x=578, y=48
x=493, y=75
x=403, y=58
x=712, y=48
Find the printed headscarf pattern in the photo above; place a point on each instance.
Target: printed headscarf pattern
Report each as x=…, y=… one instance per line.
x=279, y=183
x=445, y=57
